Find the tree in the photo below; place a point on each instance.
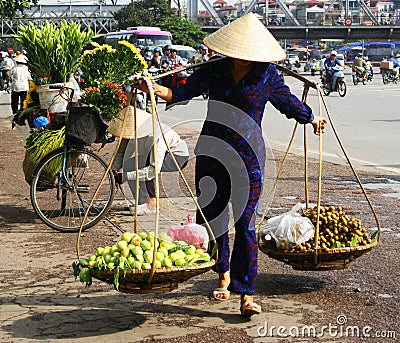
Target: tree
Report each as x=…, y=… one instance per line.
x=143, y=13
x=183, y=32
x=14, y=8
x=159, y=13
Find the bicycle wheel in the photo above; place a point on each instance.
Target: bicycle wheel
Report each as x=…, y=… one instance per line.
x=61, y=202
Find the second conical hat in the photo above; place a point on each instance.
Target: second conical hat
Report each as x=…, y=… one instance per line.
x=247, y=39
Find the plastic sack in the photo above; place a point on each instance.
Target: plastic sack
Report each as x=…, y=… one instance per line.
x=289, y=229
x=191, y=233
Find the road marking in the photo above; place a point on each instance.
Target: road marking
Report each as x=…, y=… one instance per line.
x=338, y=158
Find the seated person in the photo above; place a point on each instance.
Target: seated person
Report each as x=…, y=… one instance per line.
x=329, y=64
x=396, y=64
x=360, y=64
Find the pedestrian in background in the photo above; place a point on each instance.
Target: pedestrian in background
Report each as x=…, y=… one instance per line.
x=20, y=77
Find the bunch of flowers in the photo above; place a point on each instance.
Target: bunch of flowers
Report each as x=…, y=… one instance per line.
x=108, y=99
x=105, y=63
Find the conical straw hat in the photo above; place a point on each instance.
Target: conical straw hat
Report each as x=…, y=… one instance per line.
x=247, y=39
x=115, y=126
x=20, y=58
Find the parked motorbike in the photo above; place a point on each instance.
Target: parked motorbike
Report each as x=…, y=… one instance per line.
x=338, y=83
x=5, y=80
x=140, y=97
x=389, y=75
x=359, y=76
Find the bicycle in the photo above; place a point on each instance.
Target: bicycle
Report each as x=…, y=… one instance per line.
x=65, y=180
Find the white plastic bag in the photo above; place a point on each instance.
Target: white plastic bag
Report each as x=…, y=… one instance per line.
x=289, y=229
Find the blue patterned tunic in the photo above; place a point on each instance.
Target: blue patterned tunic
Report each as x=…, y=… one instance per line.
x=231, y=152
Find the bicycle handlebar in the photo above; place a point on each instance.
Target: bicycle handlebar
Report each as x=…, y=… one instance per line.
x=61, y=87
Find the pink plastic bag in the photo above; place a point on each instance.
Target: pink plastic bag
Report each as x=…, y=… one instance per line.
x=191, y=233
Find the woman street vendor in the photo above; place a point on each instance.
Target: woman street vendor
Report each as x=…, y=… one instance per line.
x=230, y=152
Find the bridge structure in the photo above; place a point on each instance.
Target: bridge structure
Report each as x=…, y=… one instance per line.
x=100, y=18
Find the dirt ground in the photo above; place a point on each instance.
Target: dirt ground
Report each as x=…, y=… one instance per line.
x=42, y=302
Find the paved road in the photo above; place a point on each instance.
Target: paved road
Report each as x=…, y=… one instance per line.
x=366, y=120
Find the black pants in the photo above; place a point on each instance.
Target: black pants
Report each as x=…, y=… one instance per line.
x=17, y=100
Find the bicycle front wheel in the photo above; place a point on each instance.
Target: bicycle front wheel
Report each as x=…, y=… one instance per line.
x=61, y=199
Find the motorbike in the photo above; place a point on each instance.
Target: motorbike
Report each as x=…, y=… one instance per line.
x=338, y=83
x=389, y=75
x=140, y=96
x=359, y=76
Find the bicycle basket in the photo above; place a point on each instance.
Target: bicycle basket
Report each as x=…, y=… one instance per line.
x=84, y=125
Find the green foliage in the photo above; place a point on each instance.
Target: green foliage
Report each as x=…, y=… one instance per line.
x=53, y=52
x=183, y=32
x=14, y=8
x=159, y=13
x=143, y=13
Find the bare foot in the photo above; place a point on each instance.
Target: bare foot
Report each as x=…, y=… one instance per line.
x=151, y=203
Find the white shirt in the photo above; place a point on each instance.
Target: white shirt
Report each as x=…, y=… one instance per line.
x=7, y=63
x=20, y=77
x=177, y=145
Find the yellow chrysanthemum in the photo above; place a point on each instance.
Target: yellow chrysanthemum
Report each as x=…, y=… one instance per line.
x=85, y=53
x=129, y=46
x=143, y=62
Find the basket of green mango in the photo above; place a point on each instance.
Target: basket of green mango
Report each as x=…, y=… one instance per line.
x=144, y=263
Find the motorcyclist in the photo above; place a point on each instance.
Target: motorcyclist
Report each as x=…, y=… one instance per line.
x=201, y=56
x=156, y=59
x=147, y=54
x=175, y=60
x=313, y=65
x=166, y=57
x=368, y=67
x=361, y=65
x=329, y=64
x=6, y=65
x=396, y=65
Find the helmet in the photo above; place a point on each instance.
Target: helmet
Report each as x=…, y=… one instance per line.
x=18, y=52
x=147, y=48
x=166, y=47
x=202, y=47
x=391, y=54
x=366, y=58
x=333, y=52
x=141, y=47
x=157, y=50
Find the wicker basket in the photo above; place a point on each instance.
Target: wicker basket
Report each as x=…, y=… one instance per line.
x=313, y=260
x=317, y=258
x=164, y=279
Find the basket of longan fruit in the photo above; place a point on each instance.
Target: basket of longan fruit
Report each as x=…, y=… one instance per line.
x=339, y=240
